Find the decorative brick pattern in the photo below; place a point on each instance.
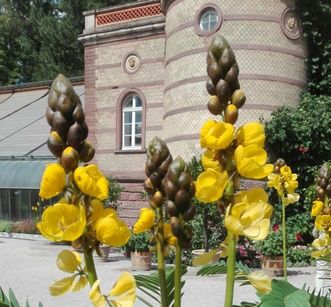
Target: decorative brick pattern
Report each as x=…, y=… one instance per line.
x=105, y=141
x=128, y=14
x=109, y=54
x=183, y=12
x=115, y=76
x=105, y=119
x=118, y=162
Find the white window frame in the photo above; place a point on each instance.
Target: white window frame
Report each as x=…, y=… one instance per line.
x=207, y=14
x=133, y=110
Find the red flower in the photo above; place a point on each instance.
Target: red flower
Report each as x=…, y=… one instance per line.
x=303, y=149
x=298, y=237
x=275, y=227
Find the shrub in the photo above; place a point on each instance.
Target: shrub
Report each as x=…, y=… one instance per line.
x=115, y=190
x=5, y=226
x=24, y=226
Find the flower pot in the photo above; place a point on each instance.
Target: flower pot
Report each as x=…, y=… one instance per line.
x=272, y=266
x=105, y=252
x=141, y=261
x=198, y=252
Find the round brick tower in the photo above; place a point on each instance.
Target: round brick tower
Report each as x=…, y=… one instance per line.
x=269, y=49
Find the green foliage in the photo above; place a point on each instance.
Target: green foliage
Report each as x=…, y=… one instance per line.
x=301, y=136
x=138, y=242
x=115, y=190
x=10, y=300
x=299, y=255
x=5, y=226
x=150, y=285
x=315, y=16
x=220, y=268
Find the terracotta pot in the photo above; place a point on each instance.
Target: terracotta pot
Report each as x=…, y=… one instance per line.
x=198, y=252
x=141, y=261
x=272, y=266
x=105, y=252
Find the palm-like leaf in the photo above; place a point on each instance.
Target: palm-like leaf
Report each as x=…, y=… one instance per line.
x=150, y=285
x=11, y=300
x=220, y=268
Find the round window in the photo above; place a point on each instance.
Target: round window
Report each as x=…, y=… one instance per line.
x=208, y=20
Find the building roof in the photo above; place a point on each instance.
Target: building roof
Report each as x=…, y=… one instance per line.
x=23, y=135
x=23, y=126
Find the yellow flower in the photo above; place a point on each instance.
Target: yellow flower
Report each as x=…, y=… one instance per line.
x=290, y=180
x=53, y=181
x=210, y=185
x=251, y=162
x=249, y=219
x=216, y=135
x=322, y=247
x=317, y=207
x=91, y=182
x=98, y=211
x=291, y=198
x=274, y=181
x=95, y=295
x=323, y=222
x=260, y=281
x=62, y=222
x=209, y=160
x=80, y=284
x=251, y=133
x=68, y=261
x=251, y=196
x=168, y=235
x=112, y=231
x=61, y=286
x=123, y=293
x=145, y=221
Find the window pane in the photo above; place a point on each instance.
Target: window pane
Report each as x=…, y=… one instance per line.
x=138, y=140
x=138, y=116
x=127, y=129
x=128, y=102
x=138, y=129
x=208, y=20
x=127, y=141
x=138, y=101
x=127, y=117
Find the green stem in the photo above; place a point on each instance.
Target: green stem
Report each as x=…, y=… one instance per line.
x=284, y=241
x=161, y=269
x=160, y=260
x=178, y=275
x=90, y=267
x=230, y=270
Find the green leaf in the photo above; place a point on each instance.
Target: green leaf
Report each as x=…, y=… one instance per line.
x=213, y=268
x=298, y=298
x=13, y=299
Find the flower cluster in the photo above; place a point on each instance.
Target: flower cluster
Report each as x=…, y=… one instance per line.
x=284, y=182
x=321, y=209
x=79, y=215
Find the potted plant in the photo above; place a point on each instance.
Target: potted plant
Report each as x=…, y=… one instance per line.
x=138, y=247
x=271, y=250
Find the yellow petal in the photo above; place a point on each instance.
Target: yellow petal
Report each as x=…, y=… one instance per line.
x=68, y=261
x=123, y=292
x=53, y=181
x=258, y=231
x=95, y=295
x=91, y=182
x=251, y=133
x=112, y=231
x=209, y=160
x=317, y=208
x=62, y=222
x=145, y=221
x=291, y=198
x=168, y=235
x=252, y=195
x=204, y=258
x=61, y=286
x=80, y=284
x=210, y=185
x=216, y=135
x=260, y=281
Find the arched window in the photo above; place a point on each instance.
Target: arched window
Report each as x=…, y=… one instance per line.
x=132, y=122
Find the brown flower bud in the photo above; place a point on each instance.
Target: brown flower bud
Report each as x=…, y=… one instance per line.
x=49, y=116
x=78, y=113
x=69, y=159
x=75, y=136
x=232, y=75
x=227, y=59
x=231, y=114
x=86, y=152
x=214, y=105
x=157, y=199
x=189, y=214
x=55, y=144
x=66, y=106
x=171, y=208
x=211, y=89
x=238, y=98
x=52, y=100
x=223, y=92
x=61, y=125
x=182, y=200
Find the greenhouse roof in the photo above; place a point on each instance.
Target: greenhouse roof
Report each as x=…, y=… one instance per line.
x=24, y=132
